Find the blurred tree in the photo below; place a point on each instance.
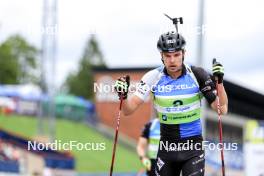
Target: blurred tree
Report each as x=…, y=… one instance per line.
x=81, y=82
x=18, y=61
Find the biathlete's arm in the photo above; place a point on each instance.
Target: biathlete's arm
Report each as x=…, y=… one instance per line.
x=218, y=72
x=142, y=146
x=131, y=104
x=143, y=90
x=222, y=99
x=208, y=88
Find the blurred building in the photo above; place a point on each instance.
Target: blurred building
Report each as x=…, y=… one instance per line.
x=244, y=105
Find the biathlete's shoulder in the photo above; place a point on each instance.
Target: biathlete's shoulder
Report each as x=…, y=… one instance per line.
x=153, y=75
x=200, y=73
x=198, y=70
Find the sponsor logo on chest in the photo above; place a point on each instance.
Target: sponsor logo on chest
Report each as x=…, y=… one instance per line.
x=181, y=87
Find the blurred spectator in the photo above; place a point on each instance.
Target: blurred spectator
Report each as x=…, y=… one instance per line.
x=16, y=153
x=8, y=151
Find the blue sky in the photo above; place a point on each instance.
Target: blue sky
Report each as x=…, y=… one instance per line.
x=128, y=32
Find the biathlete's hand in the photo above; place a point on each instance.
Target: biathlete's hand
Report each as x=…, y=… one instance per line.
x=218, y=71
x=146, y=163
x=122, y=85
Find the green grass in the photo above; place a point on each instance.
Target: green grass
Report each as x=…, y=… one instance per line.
x=86, y=160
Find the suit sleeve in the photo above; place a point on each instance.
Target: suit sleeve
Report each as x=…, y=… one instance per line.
x=206, y=83
x=145, y=131
x=147, y=82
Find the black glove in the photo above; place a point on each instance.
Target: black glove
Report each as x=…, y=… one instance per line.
x=121, y=86
x=218, y=71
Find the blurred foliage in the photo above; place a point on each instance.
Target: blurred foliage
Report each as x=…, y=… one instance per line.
x=18, y=61
x=80, y=83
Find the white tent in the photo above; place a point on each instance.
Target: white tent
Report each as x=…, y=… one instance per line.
x=7, y=102
x=29, y=92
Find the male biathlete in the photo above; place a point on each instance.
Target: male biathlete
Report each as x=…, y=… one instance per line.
x=177, y=90
x=148, y=145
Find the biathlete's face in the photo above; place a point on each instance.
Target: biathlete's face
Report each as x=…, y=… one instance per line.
x=173, y=61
